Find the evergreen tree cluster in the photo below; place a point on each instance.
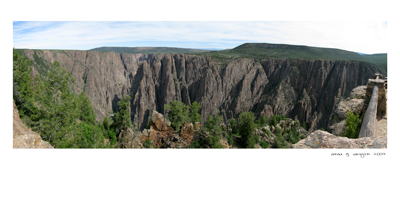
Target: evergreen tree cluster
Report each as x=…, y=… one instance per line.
x=49, y=107
x=275, y=119
x=243, y=129
x=179, y=113
x=212, y=126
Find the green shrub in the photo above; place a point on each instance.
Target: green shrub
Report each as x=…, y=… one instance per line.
x=148, y=143
x=284, y=127
x=233, y=123
x=352, y=125
x=106, y=123
x=252, y=141
x=229, y=138
x=230, y=141
x=86, y=135
x=262, y=121
x=267, y=132
x=297, y=123
x=279, y=141
x=112, y=136
x=212, y=141
x=194, y=115
x=294, y=136
x=275, y=119
x=304, y=125
x=264, y=144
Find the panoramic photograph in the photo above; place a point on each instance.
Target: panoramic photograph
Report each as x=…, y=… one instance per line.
x=194, y=84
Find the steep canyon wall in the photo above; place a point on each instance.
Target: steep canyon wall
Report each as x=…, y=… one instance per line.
x=307, y=90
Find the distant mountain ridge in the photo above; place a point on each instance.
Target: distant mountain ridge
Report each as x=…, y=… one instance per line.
x=286, y=51
x=262, y=51
x=149, y=50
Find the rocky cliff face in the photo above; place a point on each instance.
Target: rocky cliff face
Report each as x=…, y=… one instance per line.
x=306, y=90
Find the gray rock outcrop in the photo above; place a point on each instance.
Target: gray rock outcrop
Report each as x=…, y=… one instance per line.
x=129, y=138
x=324, y=140
x=337, y=120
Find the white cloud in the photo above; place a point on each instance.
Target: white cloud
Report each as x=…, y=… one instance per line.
x=365, y=37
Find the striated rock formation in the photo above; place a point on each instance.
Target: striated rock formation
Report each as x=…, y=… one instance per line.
x=324, y=140
x=25, y=138
x=307, y=90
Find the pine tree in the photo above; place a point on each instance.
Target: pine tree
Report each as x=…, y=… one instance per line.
x=246, y=129
x=122, y=117
x=23, y=88
x=194, y=112
x=177, y=113
x=279, y=142
x=294, y=136
x=57, y=105
x=212, y=126
x=106, y=123
x=86, y=112
x=233, y=123
x=262, y=121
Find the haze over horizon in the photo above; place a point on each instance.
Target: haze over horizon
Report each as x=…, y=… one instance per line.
x=360, y=37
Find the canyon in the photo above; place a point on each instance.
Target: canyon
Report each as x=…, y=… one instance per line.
x=306, y=90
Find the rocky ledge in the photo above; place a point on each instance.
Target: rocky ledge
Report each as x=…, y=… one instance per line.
x=324, y=140
x=24, y=137
x=160, y=134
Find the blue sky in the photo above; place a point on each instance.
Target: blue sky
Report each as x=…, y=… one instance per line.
x=364, y=37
